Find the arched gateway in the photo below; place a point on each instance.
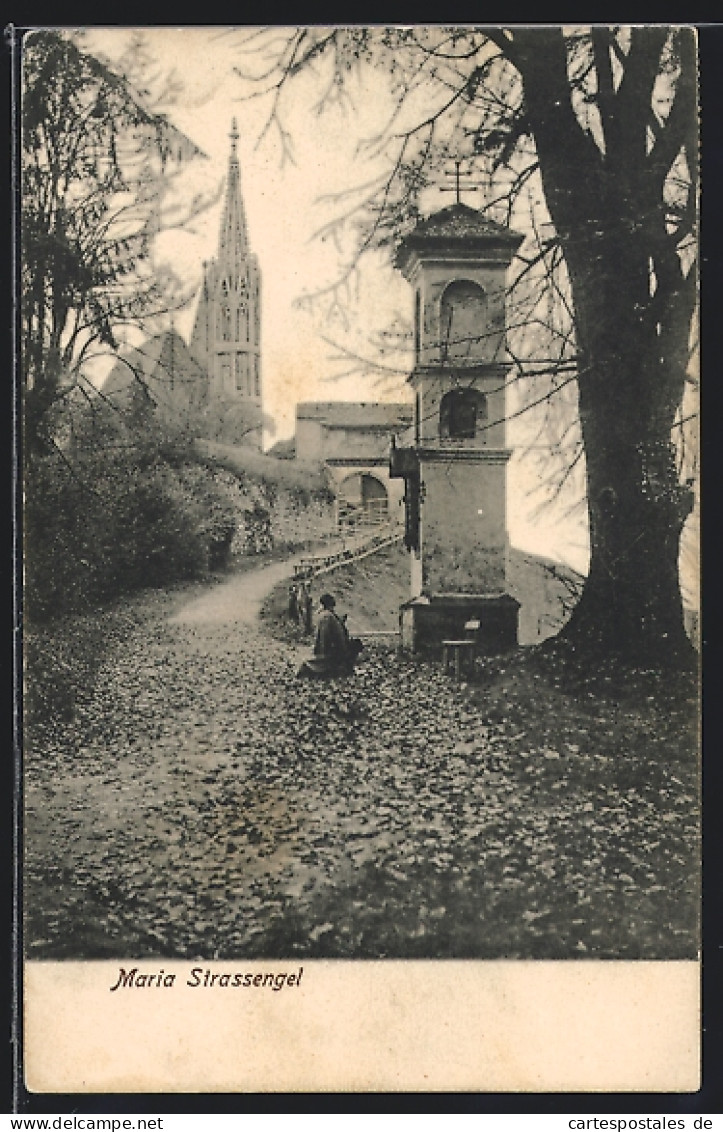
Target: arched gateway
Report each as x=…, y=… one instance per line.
x=352, y=439
x=362, y=500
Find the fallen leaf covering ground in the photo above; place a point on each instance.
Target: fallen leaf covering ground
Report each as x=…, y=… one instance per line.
x=204, y=802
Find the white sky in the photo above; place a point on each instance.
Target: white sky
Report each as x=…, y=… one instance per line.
x=282, y=206
x=284, y=210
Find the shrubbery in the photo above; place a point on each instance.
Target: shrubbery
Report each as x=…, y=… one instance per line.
x=103, y=522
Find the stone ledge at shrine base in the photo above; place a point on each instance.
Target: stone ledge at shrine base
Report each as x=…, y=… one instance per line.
x=425, y=622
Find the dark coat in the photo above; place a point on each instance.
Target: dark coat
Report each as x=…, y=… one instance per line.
x=331, y=637
x=334, y=652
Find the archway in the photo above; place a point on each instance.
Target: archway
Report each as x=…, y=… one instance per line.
x=362, y=501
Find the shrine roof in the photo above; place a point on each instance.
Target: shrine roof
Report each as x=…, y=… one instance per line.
x=462, y=220
x=457, y=226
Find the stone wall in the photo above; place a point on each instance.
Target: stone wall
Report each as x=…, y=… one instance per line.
x=270, y=516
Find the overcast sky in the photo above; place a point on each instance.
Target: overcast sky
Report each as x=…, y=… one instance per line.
x=285, y=206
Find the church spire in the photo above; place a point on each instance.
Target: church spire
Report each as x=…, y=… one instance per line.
x=233, y=239
x=226, y=338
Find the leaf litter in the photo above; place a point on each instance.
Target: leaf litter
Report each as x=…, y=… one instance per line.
x=204, y=801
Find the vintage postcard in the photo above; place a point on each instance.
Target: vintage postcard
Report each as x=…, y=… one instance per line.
x=360, y=467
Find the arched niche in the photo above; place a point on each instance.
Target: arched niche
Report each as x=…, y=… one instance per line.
x=363, y=501
x=460, y=413
x=463, y=321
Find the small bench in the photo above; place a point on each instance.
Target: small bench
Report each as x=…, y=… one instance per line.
x=459, y=656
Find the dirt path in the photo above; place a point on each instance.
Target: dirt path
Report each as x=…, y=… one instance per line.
x=206, y=802
x=238, y=599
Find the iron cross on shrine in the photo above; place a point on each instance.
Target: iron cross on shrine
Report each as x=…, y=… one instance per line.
x=458, y=186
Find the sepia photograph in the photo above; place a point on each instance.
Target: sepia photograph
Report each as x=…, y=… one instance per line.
x=359, y=452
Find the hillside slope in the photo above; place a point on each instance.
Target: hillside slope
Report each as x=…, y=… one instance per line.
x=371, y=591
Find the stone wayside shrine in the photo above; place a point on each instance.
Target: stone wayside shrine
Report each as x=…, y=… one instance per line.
x=455, y=471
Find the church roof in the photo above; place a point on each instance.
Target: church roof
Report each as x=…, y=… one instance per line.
x=356, y=414
x=162, y=366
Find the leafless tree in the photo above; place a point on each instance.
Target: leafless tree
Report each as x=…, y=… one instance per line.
x=97, y=172
x=586, y=140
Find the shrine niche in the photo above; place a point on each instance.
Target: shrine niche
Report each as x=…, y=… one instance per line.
x=462, y=321
x=461, y=412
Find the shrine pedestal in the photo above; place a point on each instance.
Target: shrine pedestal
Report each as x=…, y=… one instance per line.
x=424, y=622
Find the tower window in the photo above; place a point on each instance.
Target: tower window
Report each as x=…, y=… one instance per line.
x=459, y=412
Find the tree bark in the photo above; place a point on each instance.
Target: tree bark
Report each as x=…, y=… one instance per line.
x=632, y=344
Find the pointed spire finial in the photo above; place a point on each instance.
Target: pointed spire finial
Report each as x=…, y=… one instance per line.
x=233, y=242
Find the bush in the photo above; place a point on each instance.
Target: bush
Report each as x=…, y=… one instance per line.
x=257, y=528
x=218, y=512
x=107, y=523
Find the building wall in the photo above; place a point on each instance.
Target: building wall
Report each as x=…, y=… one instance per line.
x=350, y=452
x=317, y=441
x=346, y=443
x=309, y=440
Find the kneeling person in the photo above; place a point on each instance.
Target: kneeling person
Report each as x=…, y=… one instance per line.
x=335, y=652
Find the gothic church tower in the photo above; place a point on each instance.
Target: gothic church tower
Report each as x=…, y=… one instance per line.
x=227, y=330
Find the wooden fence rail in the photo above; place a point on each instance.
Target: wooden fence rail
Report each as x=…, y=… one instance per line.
x=350, y=551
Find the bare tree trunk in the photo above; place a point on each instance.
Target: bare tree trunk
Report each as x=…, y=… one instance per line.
x=632, y=348
x=631, y=602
